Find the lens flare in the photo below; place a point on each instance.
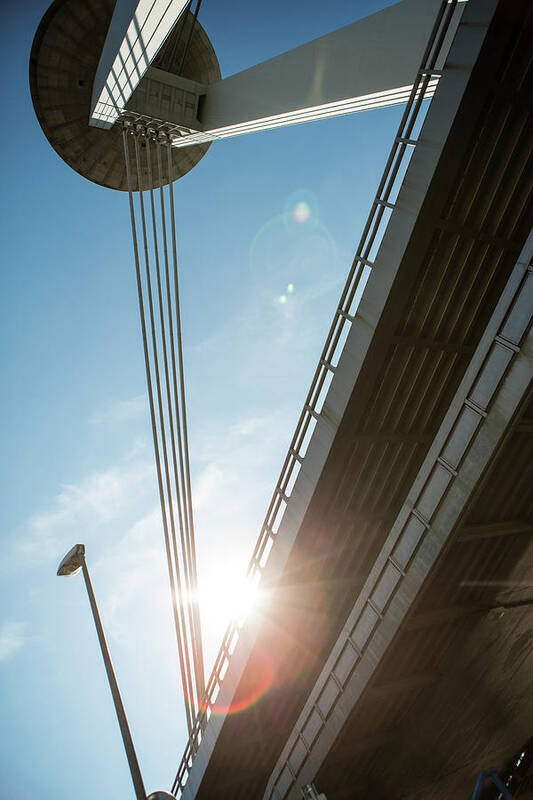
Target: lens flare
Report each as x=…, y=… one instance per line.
x=255, y=686
x=301, y=212
x=234, y=601
x=294, y=259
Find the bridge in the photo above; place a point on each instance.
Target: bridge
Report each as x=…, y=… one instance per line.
x=392, y=650
x=392, y=655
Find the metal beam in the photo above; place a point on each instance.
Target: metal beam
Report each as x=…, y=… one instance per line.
x=429, y=619
x=489, y=530
x=435, y=345
x=371, y=63
x=137, y=31
x=525, y=426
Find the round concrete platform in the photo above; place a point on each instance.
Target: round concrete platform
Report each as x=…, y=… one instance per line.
x=63, y=61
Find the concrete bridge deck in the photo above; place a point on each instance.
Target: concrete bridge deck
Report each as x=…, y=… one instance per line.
x=438, y=688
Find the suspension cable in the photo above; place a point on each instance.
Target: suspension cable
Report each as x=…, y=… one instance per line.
x=171, y=48
x=188, y=556
x=189, y=37
x=188, y=493
x=169, y=420
x=183, y=594
x=188, y=586
x=154, y=429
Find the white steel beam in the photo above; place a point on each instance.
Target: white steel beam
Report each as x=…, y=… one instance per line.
x=138, y=29
x=371, y=63
x=341, y=108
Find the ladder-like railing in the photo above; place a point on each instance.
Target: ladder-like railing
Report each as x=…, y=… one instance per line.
x=382, y=207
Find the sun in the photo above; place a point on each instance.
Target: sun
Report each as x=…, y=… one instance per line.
x=233, y=599
x=226, y=599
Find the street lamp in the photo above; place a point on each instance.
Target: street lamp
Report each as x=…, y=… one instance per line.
x=73, y=562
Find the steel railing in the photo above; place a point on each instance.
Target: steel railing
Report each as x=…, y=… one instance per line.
x=382, y=207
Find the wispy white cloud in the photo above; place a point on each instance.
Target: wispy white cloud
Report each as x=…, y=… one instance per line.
x=259, y=362
x=12, y=638
x=95, y=501
x=250, y=426
x=231, y=487
x=132, y=568
x=232, y=481
x=121, y=411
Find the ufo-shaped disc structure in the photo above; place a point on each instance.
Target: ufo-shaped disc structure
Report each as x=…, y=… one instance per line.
x=64, y=57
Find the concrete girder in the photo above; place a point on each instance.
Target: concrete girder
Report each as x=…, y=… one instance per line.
x=498, y=379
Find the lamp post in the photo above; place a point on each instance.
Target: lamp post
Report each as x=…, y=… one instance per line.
x=73, y=562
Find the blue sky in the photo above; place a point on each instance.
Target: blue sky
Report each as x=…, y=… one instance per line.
x=77, y=462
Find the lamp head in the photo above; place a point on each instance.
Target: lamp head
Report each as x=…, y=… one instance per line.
x=73, y=561
x=161, y=796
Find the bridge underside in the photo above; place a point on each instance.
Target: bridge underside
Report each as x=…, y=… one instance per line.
x=451, y=693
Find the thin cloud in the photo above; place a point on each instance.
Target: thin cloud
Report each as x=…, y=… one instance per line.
x=121, y=411
x=232, y=484
x=133, y=570
x=98, y=499
x=12, y=639
x=250, y=426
